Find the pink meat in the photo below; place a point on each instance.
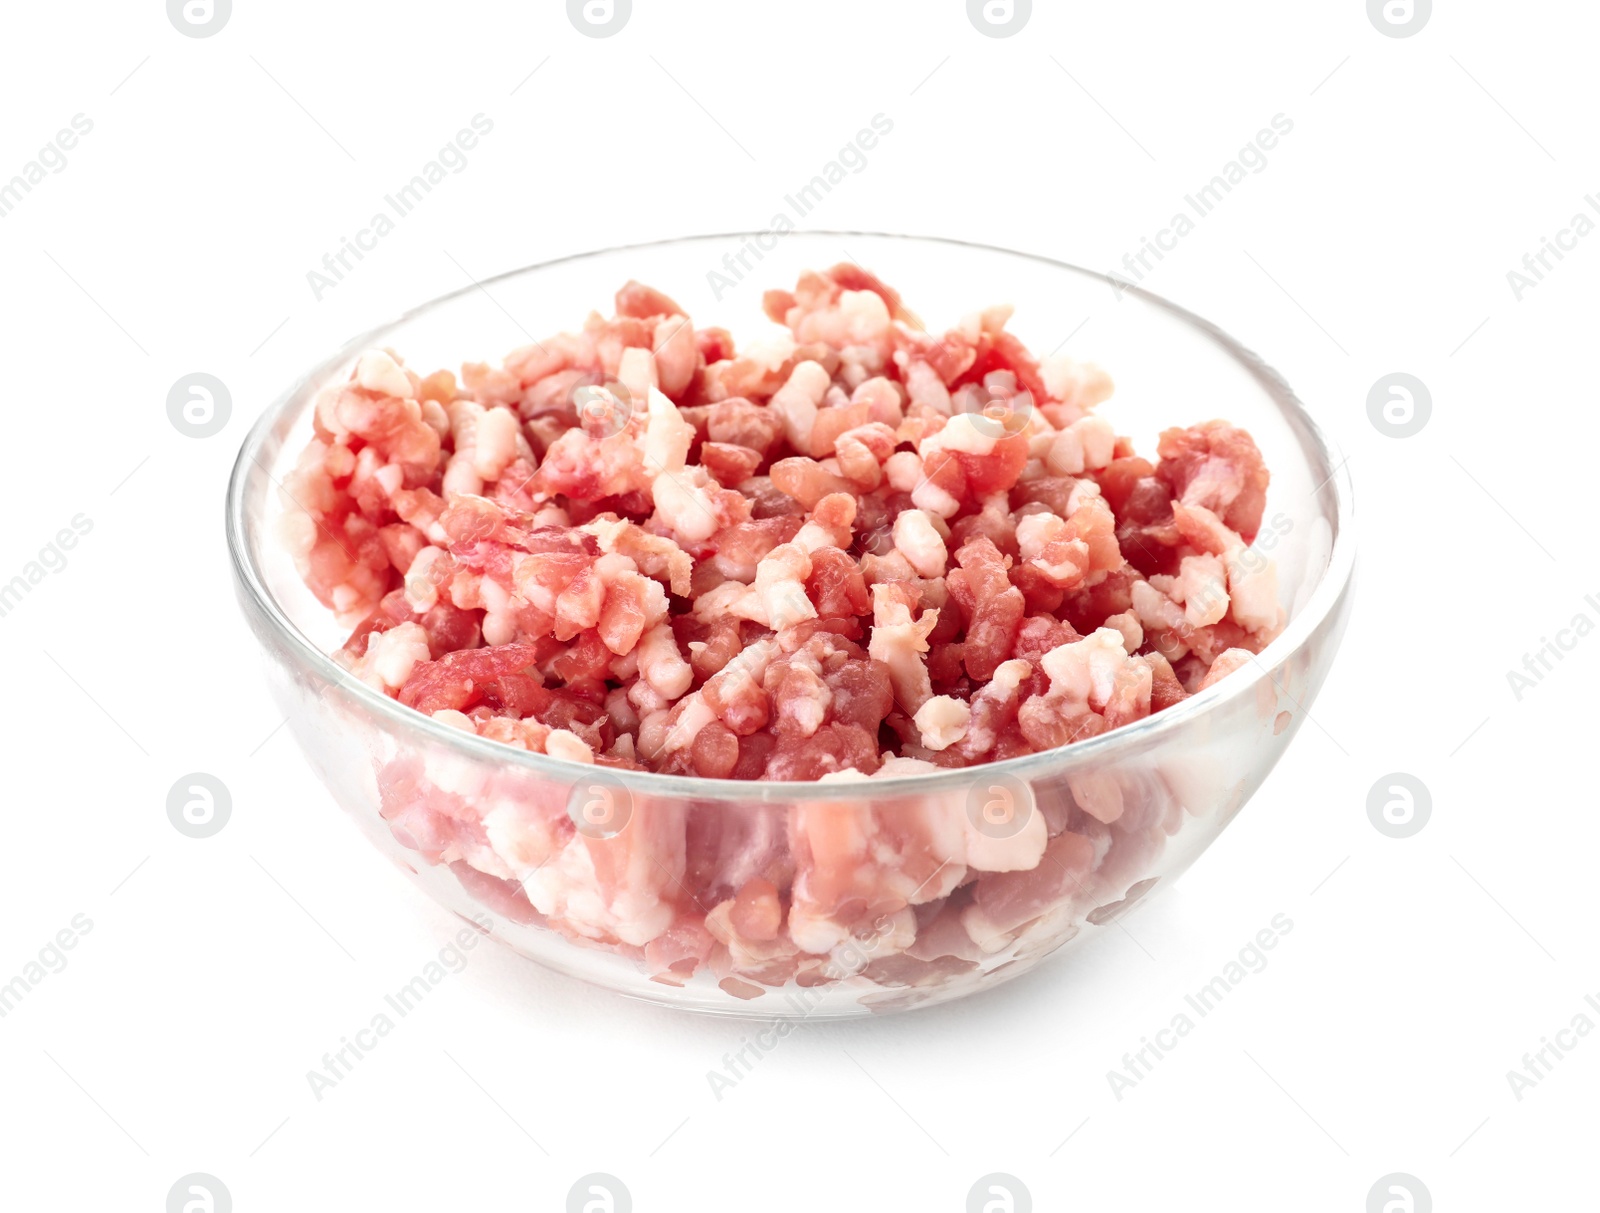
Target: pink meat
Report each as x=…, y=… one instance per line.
x=849, y=551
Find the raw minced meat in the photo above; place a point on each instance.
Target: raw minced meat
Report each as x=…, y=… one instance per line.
x=849, y=543
x=844, y=552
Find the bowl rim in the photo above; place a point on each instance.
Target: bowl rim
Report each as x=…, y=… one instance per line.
x=1330, y=589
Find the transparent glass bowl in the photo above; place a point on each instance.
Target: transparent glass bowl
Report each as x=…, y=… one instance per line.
x=609, y=876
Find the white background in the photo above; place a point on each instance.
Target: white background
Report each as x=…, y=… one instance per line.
x=177, y=239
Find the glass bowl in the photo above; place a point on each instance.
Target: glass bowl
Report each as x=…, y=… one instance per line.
x=612, y=876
